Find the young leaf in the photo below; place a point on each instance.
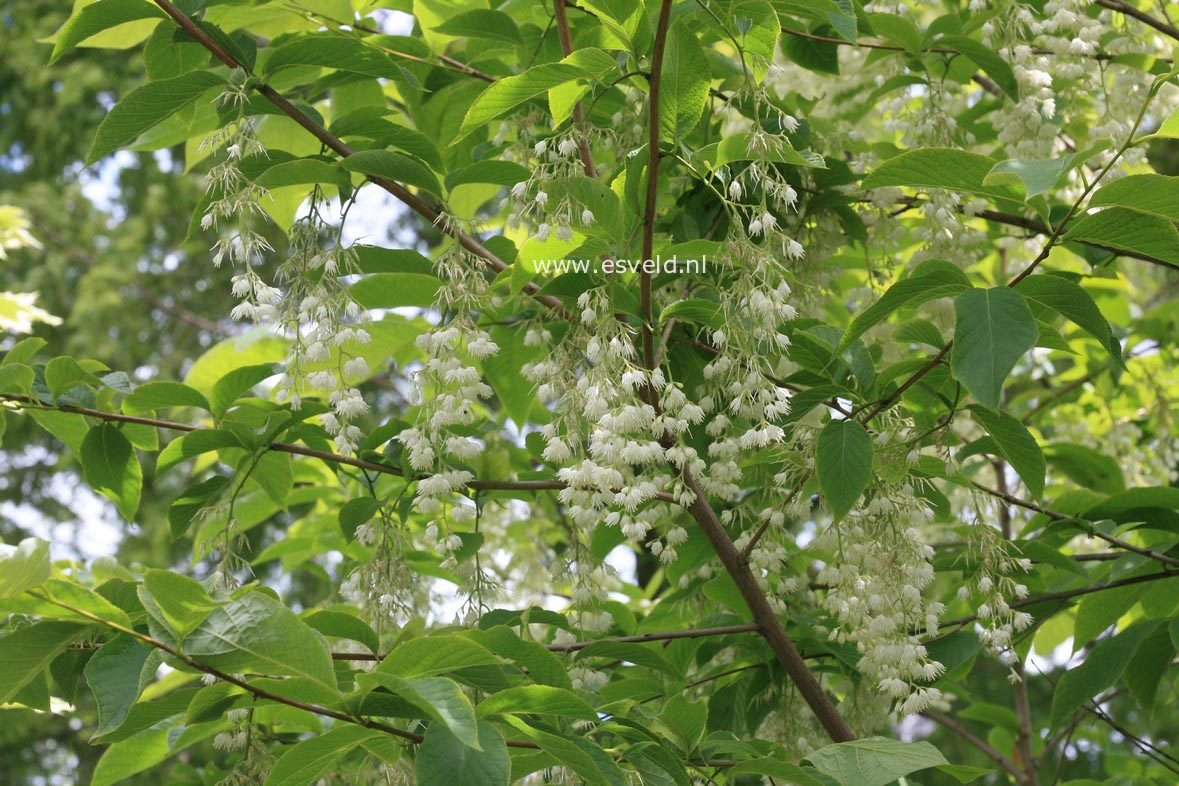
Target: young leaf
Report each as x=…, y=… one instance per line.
x=992, y=330
x=844, y=464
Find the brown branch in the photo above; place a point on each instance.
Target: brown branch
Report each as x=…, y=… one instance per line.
x=941, y=50
x=1143, y=17
x=333, y=143
x=575, y=646
x=653, y=156
x=1069, y=594
x=300, y=450
x=579, y=121
x=448, y=63
x=1056, y=515
x=763, y=613
x=970, y=737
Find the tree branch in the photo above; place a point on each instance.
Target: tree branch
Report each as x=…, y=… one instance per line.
x=578, y=116
x=763, y=613
x=653, y=156
x=300, y=450
x=1070, y=594
x=1112, y=540
x=407, y=197
x=978, y=742
x=1143, y=17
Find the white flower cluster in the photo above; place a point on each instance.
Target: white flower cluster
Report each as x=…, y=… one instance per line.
x=326, y=326
x=529, y=201
x=993, y=587
x=449, y=390
x=235, y=199
x=875, y=580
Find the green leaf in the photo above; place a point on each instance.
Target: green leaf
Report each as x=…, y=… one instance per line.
x=1156, y=195
x=394, y=290
x=694, y=310
x=993, y=328
x=355, y=512
x=1068, y=299
x=932, y=279
x=1123, y=229
x=843, y=464
x=27, y=651
x=335, y=51
x=183, y=601
x=116, y=676
x=1015, y=445
x=131, y=756
x=443, y=760
x=936, y=167
x=146, y=106
x=162, y=395
x=241, y=380
x=111, y=467
x=758, y=25
x=23, y=351
x=683, y=90
x=780, y=771
x=995, y=66
x=305, y=762
x=91, y=20
x=495, y=172
x=1100, y=670
x=397, y=167
x=685, y=720
x=258, y=633
x=63, y=373
x=439, y=654
x=438, y=698
x=737, y=147
x=1036, y=177
x=344, y=626
x=875, y=761
x=482, y=23
x=511, y=92
x=1148, y=666
x=171, y=52
x=1086, y=467
x=23, y=566
x=536, y=700
x=304, y=171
